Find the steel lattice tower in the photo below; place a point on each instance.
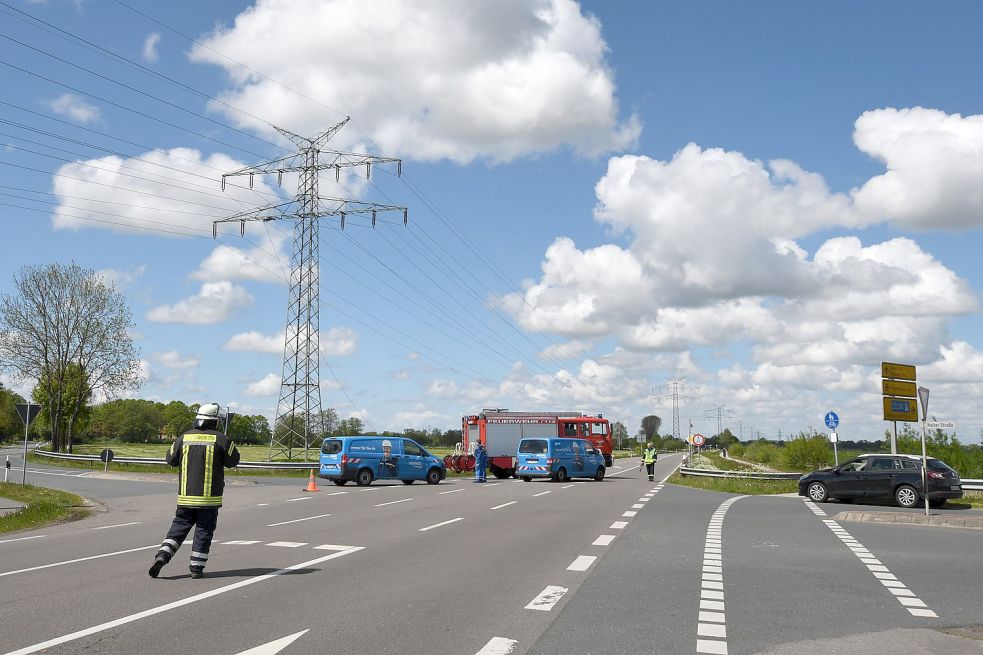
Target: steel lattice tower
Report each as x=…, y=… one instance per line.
x=677, y=392
x=720, y=413
x=298, y=414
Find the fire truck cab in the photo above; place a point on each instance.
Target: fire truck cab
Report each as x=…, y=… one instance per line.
x=501, y=430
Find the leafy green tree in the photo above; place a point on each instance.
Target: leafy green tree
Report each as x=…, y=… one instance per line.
x=178, y=418
x=650, y=427
x=11, y=427
x=350, y=426
x=619, y=433
x=74, y=392
x=130, y=420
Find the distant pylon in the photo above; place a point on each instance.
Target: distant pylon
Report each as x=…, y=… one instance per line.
x=298, y=414
x=678, y=393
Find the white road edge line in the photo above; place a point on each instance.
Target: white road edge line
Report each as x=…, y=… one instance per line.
x=437, y=525
x=37, y=536
x=118, y=525
x=102, y=627
x=394, y=502
x=498, y=646
x=80, y=559
x=547, y=598
x=452, y=491
x=582, y=563
x=504, y=505
x=541, y=493
x=603, y=540
x=309, y=518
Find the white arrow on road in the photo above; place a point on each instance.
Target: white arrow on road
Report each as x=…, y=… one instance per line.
x=274, y=647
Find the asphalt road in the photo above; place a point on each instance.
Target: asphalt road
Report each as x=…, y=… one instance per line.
x=621, y=566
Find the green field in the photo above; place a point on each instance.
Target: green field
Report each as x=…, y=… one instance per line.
x=43, y=507
x=736, y=485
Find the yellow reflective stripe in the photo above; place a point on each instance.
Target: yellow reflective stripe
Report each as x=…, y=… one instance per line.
x=200, y=438
x=184, y=470
x=199, y=500
x=209, y=461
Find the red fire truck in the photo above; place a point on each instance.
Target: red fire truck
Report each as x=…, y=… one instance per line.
x=500, y=430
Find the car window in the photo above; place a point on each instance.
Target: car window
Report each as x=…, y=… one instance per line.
x=569, y=429
x=533, y=447
x=882, y=464
x=410, y=448
x=938, y=465
x=854, y=465
x=908, y=464
x=331, y=447
x=599, y=428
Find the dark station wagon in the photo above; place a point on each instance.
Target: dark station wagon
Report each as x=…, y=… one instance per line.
x=884, y=478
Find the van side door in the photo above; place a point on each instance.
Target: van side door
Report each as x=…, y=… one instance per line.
x=411, y=463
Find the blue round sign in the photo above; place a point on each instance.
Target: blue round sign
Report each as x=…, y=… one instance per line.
x=832, y=420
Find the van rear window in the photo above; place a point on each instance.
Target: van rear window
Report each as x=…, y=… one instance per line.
x=938, y=465
x=331, y=447
x=533, y=447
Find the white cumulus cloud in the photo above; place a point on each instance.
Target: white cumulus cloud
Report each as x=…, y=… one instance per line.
x=175, y=360
x=74, y=107
x=267, y=386
x=214, y=303
x=437, y=79
x=149, y=52
x=335, y=342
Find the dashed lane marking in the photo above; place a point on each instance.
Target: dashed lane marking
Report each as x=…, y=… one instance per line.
x=603, y=540
x=118, y=525
x=287, y=544
x=637, y=506
x=307, y=518
x=332, y=547
x=452, y=491
x=618, y=525
x=336, y=493
x=907, y=598
x=239, y=542
x=711, y=628
x=498, y=646
x=505, y=505
x=102, y=627
x=37, y=536
x=629, y=514
x=582, y=563
x=294, y=500
x=566, y=486
x=814, y=508
x=394, y=502
x=541, y=493
x=547, y=598
x=80, y=559
x=441, y=524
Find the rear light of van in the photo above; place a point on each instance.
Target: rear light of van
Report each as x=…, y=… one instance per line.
x=344, y=459
x=551, y=460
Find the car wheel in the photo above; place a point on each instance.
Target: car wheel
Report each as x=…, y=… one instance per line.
x=937, y=503
x=561, y=475
x=363, y=478
x=408, y=481
x=600, y=473
x=817, y=492
x=433, y=476
x=906, y=496
x=526, y=478
x=340, y=483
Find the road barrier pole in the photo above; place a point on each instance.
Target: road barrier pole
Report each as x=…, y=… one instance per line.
x=23, y=479
x=6, y=469
x=924, y=469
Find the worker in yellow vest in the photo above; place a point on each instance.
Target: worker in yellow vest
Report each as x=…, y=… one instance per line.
x=648, y=458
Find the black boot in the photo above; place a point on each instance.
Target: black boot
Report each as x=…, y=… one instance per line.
x=197, y=572
x=157, y=566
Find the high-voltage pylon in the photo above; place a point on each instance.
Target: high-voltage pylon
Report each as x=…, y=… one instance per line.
x=719, y=412
x=678, y=393
x=298, y=413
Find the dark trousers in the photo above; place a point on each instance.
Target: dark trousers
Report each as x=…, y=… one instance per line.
x=650, y=469
x=204, y=520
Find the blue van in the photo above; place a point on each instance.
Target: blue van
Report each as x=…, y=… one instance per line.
x=558, y=459
x=364, y=459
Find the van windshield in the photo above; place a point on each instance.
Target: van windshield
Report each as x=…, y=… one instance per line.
x=533, y=447
x=331, y=447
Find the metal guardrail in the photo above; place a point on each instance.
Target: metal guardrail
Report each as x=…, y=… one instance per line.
x=972, y=484
x=747, y=475
x=270, y=466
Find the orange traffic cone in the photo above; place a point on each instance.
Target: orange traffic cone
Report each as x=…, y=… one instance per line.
x=312, y=484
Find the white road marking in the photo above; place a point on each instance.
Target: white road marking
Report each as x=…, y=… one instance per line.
x=629, y=514
x=287, y=544
x=118, y=525
x=80, y=559
x=637, y=506
x=294, y=500
x=711, y=627
x=582, y=563
x=547, y=598
x=57, y=641
x=239, y=542
x=370, y=489
x=490, y=484
x=498, y=646
x=275, y=647
x=645, y=499
x=618, y=525
x=394, y=502
x=262, y=504
x=452, y=491
x=332, y=547
x=504, y=505
x=603, y=540
x=336, y=493
x=37, y=536
x=907, y=598
x=437, y=525
x=308, y=518
x=566, y=486
x=541, y=493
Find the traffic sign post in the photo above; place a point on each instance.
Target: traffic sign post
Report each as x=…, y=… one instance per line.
x=106, y=456
x=27, y=412
x=699, y=440
x=923, y=399
x=898, y=384
x=832, y=420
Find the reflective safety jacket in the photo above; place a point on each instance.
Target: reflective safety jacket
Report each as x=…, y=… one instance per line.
x=203, y=456
x=649, y=456
x=480, y=458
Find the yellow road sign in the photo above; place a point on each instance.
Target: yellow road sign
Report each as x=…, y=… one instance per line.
x=901, y=409
x=896, y=388
x=897, y=371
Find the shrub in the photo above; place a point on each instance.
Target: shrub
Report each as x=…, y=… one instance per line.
x=805, y=453
x=763, y=452
x=737, y=450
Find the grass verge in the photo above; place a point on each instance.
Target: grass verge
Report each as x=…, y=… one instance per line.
x=43, y=507
x=736, y=485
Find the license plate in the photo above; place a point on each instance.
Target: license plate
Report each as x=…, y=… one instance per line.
x=332, y=466
x=956, y=487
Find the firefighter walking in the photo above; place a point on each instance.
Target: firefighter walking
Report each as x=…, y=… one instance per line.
x=480, y=463
x=202, y=453
x=648, y=459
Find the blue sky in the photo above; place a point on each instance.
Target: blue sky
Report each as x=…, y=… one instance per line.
x=767, y=198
